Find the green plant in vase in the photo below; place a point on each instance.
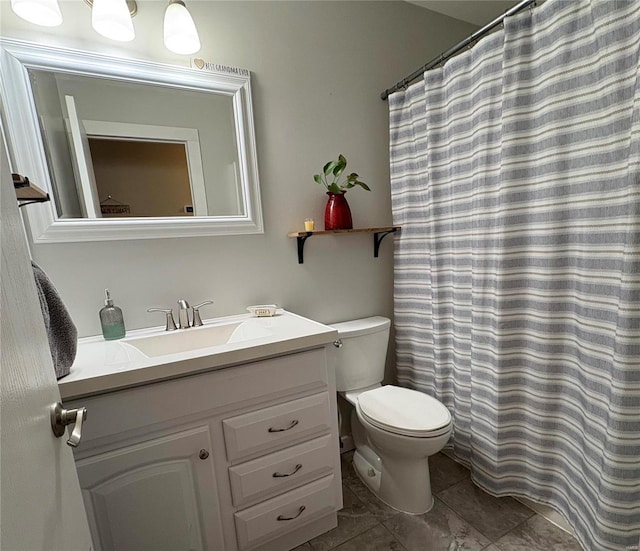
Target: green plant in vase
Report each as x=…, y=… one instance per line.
x=337, y=214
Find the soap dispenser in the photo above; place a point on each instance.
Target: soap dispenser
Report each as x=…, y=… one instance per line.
x=111, y=319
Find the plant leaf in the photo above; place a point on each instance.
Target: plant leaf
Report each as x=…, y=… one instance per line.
x=362, y=185
x=334, y=188
x=340, y=165
x=328, y=168
x=339, y=168
x=318, y=179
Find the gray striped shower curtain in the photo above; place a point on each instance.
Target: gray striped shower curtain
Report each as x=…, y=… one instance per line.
x=515, y=173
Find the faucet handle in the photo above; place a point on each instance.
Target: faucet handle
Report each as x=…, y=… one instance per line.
x=197, y=320
x=171, y=324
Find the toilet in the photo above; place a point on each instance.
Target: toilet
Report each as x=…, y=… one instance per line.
x=394, y=429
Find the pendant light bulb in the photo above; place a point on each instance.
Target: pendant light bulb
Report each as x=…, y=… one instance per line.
x=180, y=33
x=40, y=12
x=111, y=18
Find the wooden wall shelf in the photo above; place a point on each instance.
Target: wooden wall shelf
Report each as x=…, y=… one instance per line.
x=378, y=235
x=27, y=192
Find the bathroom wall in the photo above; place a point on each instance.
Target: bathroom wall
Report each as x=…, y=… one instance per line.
x=317, y=71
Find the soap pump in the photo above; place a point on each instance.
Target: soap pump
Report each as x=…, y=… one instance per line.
x=111, y=319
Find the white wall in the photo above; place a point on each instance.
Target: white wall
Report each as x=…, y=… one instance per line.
x=317, y=71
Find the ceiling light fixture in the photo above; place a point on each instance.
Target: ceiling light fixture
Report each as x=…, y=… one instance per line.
x=112, y=19
x=180, y=33
x=41, y=12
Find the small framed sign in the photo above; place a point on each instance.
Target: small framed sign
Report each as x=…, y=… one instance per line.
x=218, y=68
x=115, y=209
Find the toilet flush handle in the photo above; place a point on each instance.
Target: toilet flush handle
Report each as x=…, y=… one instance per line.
x=337, y=343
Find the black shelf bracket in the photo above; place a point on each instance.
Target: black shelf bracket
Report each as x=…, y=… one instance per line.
x=25, y=202
x=377, y=239
x=301, y=239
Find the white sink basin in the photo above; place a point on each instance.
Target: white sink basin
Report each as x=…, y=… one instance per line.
x=194, y=338
x=153, y=354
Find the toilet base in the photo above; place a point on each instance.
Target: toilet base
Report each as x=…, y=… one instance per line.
x=367, y=472
x=394, y=467
x=372, y=479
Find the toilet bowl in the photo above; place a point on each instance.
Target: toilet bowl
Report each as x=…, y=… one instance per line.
x=395, y=430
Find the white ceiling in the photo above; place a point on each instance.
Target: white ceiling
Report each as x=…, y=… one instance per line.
x=478, y=12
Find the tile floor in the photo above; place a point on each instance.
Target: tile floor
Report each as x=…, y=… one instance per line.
x=464, y=518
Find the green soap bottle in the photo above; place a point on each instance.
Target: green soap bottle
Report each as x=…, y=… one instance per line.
x=111, y=319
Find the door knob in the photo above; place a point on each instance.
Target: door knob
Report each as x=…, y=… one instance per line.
x=61, y=417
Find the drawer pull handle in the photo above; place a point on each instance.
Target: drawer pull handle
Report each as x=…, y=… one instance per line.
x=281, y=475
x=289, y=427
x=302, y=508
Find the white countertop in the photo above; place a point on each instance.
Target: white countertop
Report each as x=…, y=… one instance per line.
x=104, y=366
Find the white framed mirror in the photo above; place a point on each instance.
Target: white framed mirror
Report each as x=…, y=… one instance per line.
x=130, y=149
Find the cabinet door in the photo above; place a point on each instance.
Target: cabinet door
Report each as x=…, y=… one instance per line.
x=155, y=495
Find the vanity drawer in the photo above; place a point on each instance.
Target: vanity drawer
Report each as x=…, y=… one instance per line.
x=285, y=513
x=281, y=471
x=276, y=426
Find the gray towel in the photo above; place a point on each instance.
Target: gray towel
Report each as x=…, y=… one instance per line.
x=61, y=331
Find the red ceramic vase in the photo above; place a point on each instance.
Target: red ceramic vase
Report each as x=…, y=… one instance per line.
x=337, y=214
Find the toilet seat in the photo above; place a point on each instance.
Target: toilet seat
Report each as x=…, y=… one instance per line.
x=404, y=411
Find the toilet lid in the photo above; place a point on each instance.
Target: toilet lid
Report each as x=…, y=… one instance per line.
x=404, y=411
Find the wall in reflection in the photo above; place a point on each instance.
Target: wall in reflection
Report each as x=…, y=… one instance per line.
x=208, y=115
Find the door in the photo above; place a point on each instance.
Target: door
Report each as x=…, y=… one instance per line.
x=82, y=163
x=41, y=503
x=156, y=495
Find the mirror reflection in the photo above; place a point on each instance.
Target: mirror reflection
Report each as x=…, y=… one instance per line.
x=118, y=149
x=130, y=149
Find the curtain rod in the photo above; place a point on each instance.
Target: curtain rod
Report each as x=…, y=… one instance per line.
x=459, y=46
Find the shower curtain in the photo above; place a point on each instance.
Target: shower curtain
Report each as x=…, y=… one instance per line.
x=515, y=175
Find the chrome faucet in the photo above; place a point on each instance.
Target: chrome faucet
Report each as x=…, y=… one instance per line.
x=183, y=314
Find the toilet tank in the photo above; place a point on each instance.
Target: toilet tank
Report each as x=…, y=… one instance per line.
x=361, y=358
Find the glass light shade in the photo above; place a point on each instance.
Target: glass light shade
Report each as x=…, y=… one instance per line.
x=180, y=33
x=111, y=18
x=40, y=12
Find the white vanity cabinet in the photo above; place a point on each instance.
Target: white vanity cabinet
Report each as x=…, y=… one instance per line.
x=239, y=458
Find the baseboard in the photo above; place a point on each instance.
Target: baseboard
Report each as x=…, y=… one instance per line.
x=547, y=512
